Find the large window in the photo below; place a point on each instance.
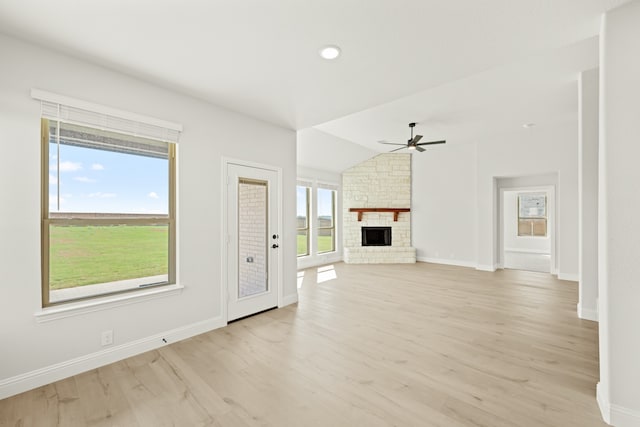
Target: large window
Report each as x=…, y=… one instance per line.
x=108, y=212
x=532, y=214
x=303, y=219
x=326, y=220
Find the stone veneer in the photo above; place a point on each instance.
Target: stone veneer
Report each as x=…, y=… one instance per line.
x=381, y=182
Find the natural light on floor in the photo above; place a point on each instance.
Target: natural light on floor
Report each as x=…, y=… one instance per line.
x=300, y=278
x=326, y=273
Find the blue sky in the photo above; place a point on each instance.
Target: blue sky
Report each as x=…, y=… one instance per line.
x=301, y=201
x=103, y=181
x=324, y=202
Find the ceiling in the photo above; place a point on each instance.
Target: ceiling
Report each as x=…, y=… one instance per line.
x=541, y=89
x=319, y=150
x=260, y=57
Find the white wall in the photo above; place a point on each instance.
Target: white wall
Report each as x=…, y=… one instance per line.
x=320, y=150
x=209, y=133
x=618, y=220
x=455, y=200
x=531, y=244
x=317, y=178
x=544, y=149
x=588, y=193
x=443, y=204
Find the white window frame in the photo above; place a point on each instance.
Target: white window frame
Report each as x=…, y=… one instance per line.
x=533, y=218
x=308, y=187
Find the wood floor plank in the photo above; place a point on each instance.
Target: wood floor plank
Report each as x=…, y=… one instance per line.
x=378, y=345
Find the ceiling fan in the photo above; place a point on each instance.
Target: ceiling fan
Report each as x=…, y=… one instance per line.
x=412, y=143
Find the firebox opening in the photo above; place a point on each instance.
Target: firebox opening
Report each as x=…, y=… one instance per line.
x=376, y=236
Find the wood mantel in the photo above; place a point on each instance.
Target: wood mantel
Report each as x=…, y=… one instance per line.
x=395, y=211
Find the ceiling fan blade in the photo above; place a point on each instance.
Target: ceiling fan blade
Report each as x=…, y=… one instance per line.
x=415, y=140
x=401, y=148
x=432, y=143
x=420, y=149
x=389, y=143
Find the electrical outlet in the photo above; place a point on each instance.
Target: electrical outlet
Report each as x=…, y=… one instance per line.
x=107, y=337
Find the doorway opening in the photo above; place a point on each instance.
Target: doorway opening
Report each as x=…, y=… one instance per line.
x=527, y=232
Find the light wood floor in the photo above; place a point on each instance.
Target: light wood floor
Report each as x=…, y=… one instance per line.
x=379, y=345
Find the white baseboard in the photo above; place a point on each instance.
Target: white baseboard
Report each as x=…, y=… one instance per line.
x=587, y=313
x=39, y=377
x=624, y=417
x=616, y=415
x=491, y=268
x=289, y=299
x=447, y=261
x=569, y=277
x=603, y=404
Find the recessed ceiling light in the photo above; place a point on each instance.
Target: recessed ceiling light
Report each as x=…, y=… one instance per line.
x=528, y=125
x=330, y=52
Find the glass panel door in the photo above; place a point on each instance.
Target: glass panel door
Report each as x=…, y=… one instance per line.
x=252, y=241
x=252, y=237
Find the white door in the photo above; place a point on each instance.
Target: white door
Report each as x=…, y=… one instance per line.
x=253, y=240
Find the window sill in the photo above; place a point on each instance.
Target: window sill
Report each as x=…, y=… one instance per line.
x=82, y=307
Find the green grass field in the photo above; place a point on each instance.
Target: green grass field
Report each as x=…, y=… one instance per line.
x=100, y=254
x=324, y=244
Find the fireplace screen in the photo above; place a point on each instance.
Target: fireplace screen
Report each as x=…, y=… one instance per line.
x=376, y=236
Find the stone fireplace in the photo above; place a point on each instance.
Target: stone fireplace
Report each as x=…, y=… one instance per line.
x=376, y=218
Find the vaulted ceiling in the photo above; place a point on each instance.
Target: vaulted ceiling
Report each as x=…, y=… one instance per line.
x=408, y=60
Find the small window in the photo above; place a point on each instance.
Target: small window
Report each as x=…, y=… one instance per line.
x=108, y=212
x=303, y=220
x=326, y=220
x=532, y=214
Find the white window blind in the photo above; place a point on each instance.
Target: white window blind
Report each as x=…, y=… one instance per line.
x=305, y=183
x=328, y=186
x=69, y=110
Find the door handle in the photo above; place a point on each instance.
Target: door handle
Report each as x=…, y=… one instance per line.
x=275, y=245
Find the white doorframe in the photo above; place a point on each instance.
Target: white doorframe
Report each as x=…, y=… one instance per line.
x=552, y=211
x=224, y=232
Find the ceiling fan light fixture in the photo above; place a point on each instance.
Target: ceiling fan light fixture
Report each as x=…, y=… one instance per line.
x=330, y=52
x=412, y=143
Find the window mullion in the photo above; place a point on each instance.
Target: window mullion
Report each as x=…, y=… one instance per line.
x=109, y=221
x=58, y=162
